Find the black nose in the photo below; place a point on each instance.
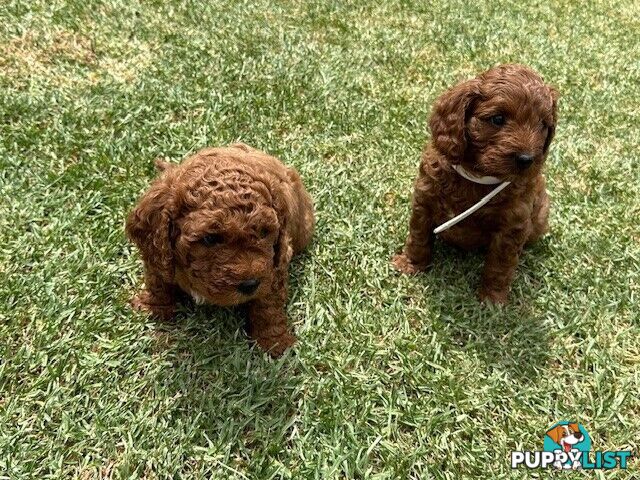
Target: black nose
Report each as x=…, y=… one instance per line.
x=248, y=286
x=524, y=160
x=578, y=435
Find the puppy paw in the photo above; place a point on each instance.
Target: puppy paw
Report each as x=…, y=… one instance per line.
x=493, y=297
x=276, y=346
x=145, y=302
x=402, y=264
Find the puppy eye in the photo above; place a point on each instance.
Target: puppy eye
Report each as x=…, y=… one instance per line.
x=497, y=120
x=263, y=232
x=211, y=239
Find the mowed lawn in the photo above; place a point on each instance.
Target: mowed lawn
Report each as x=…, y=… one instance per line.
x=393, y=377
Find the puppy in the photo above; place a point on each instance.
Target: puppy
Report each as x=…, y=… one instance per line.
x=492, y=129
x=567, y=436
x=223, y=227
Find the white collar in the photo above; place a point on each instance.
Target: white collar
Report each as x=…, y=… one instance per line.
x=483, y=201
x=487, y=180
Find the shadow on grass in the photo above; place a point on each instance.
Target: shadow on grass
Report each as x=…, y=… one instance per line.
x=511, y=337
x=238, y=403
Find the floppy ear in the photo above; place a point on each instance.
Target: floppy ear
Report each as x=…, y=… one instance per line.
x=283, y=251
x=555, y=434
x=447, y=122
x=554, y=111
x=149, y=226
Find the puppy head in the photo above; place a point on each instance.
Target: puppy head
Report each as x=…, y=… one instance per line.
x=215, y=232
x=566, y=434
x=500, y=123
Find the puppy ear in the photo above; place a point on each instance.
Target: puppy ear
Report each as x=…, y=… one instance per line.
x=554, y=112
x=150, y=226
x=447, y=122
x=283, y=251
x=555, y=434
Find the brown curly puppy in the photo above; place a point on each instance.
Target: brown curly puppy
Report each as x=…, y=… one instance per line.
x=499, y=124
x=223, y=226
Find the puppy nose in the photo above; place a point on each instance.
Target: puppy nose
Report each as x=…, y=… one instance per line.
x=524, y=160
x=578, y=435
x=248, y=286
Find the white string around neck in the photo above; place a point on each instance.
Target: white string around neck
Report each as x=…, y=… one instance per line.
x=488, y=180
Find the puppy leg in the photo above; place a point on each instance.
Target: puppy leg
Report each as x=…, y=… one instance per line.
x=268, y=321
x=501, y=262
x=416, y=255
x=157, y=298
x=540, y=215
x=268, y=324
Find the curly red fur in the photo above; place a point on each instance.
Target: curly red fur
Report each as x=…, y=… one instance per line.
x=220, y=219
x=463, y=133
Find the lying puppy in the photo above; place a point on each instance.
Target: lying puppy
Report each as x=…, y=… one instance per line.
x=493, y=129
x=223, y=227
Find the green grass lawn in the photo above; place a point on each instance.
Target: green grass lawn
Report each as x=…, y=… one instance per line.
x=393, y=377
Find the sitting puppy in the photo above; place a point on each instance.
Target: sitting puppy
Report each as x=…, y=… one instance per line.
x=491, y=130
x=223, y=227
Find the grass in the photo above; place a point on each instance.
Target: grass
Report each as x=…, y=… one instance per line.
x=393, y=377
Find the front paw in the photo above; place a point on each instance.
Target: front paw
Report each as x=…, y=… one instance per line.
x=402, y=264
x=492, y=296
x=276, y=346
x=145, y=302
